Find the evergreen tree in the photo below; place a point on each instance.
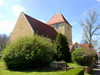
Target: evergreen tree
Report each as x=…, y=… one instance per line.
x=62, y=47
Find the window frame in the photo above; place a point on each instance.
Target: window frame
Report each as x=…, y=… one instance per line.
x=57, y=26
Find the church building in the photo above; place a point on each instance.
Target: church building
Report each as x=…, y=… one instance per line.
x=27, y=26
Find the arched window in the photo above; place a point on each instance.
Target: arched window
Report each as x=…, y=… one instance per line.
x=57, y=26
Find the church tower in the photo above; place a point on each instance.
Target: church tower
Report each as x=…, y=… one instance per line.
x=61, y=25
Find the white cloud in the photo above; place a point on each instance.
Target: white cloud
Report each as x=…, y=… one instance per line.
x=6, y=27
x=1, y=2
x=17, y=9
x=98, y=0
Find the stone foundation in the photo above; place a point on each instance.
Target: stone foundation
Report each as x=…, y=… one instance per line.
x=58, y=65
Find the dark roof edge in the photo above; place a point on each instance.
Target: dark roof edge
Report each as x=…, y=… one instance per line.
x=37, y=20
x=65, y=20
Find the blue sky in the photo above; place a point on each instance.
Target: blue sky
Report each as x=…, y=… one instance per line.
x=73, y=10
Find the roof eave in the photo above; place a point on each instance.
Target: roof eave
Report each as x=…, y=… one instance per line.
x=58, y=22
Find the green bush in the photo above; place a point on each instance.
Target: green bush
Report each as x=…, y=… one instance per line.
x=62, y=47
x=83, y=57
x=29, y=52
x=95, y=57
x=75, y=71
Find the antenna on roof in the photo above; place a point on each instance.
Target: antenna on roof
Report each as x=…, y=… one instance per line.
x=58, y=11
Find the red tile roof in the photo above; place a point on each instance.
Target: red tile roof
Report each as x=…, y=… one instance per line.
x=86, y=46
x=57, y=18
x=41, y=28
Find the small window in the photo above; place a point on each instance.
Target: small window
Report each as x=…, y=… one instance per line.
x=68, y=28
x=57, y=26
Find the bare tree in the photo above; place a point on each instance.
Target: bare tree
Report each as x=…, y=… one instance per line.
x=90, y=27
x=97, y=44
x=3, y=41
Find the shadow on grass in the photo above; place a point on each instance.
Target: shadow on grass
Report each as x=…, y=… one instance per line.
x=48, y=69
x=33, y=70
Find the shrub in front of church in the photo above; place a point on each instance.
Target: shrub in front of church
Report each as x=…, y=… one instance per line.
x=62, y=48
x=29, y=52
x=83, y=57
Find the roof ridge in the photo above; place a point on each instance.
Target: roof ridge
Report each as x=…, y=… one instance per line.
x=37, y=20
x=34, y=18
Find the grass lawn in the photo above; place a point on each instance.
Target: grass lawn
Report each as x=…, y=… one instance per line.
x=72, y=64
x=87, y=74
x=5, y=71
